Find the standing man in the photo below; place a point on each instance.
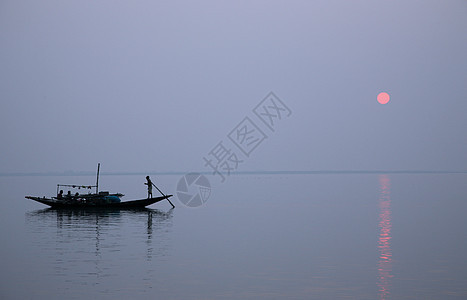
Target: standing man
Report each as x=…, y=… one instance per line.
x=149, y=184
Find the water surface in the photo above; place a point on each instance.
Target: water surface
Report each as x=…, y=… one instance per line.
x=303, y=236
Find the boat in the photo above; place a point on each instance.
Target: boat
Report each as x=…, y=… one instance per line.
x=96, y=202
x=99, y=199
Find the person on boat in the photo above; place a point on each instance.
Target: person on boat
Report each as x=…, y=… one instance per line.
x=68, y=195
x=60, y=195
x=149, y=184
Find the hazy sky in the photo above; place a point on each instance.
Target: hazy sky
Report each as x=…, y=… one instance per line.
x=156, y=85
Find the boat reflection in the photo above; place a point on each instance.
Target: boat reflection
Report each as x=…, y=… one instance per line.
x=74, y=225
x=384, y=239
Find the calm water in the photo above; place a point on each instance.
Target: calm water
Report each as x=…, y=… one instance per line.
x=339, y=236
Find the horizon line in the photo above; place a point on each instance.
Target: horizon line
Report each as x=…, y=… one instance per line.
x=271, y=172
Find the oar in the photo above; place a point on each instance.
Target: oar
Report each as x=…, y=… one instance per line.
x=173, y=206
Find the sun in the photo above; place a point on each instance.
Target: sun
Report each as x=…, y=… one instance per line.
x=383, y=98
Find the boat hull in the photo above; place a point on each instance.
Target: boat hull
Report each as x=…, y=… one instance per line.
x=84, y=204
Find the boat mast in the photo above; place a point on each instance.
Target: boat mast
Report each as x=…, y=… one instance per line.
x=97, y=181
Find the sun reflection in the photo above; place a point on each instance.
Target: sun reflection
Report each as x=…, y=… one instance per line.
x=384, y=239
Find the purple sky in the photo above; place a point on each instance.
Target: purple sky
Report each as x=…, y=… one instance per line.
x=155, y=85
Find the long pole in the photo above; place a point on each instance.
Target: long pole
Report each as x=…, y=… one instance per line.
x=173, y=206
x=97, y=180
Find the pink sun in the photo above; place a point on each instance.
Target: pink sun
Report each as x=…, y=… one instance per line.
x=383, y=98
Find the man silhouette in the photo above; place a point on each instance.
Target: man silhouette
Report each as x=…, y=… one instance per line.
x=149, y=184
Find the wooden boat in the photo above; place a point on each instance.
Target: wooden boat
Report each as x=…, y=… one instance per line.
x=95, y=200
